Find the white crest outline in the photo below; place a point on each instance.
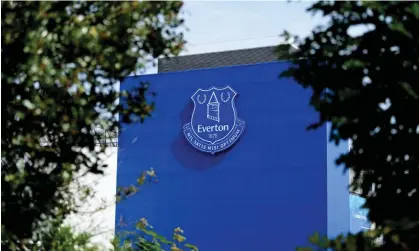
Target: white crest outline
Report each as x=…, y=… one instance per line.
x=233, y=106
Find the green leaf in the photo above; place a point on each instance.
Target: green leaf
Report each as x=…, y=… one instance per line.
x=315, y=238
x=408, y=88
x=400, y=28
x=192, y=247
x=353, y=63
x=178, y=237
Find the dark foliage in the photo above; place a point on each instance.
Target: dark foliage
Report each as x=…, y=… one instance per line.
x=367, y=86
x=60, y=64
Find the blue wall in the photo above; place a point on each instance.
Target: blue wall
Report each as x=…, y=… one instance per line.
x=338, y=209
x=269, y=191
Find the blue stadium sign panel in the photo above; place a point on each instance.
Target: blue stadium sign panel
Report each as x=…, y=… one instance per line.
x=271, y=190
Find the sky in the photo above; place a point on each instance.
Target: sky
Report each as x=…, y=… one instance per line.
x=229, y=25
x=216, y=26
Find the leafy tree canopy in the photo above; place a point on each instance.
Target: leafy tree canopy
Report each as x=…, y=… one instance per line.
x=367, y=87
x=60, y=63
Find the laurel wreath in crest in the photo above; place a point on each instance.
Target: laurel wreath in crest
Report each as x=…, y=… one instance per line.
x=223, y=99
x=199, y=101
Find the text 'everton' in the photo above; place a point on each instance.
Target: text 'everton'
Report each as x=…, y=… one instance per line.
x=213, y=128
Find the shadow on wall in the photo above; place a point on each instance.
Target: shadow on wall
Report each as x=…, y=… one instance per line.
x=186, y=154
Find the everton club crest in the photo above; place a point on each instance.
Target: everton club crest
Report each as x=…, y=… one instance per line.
x=214, y=125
